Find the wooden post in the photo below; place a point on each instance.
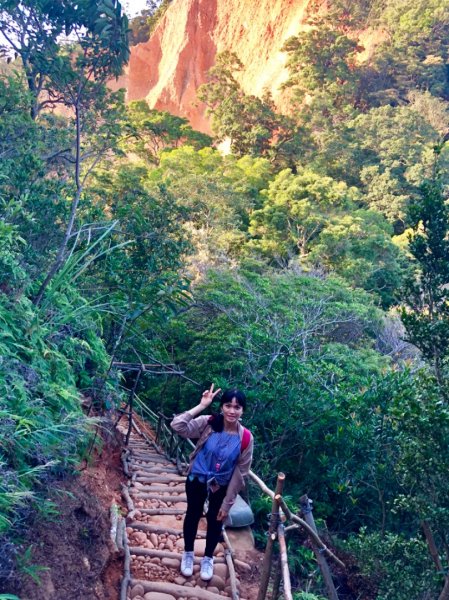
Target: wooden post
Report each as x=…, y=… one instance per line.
x=272, y=531
x=130, y=403
x=284, y=563
x=276, y=580
x=306, y=508
x=159, y=427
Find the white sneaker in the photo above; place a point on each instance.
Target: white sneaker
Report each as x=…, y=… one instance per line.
x=207, y=568
x=187, y=564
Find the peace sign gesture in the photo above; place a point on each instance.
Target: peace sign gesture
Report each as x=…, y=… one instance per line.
x=208, y=396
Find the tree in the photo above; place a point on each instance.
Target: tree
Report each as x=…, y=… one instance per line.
x=216, y=195
x=425, y=311
x=73, y=74
x=414, y=54
x=388, y=152
x=323, y=73
x=295, y=210
x=141, y=277
x=155, y=131
x=358, y=247
x=252, y=124
x=142, y=26
x=33, y=31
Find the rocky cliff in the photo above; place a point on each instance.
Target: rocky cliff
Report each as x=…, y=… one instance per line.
x=168, y=69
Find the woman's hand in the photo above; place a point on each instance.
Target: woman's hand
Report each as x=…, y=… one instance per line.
x=208, y=396
x=222, y=514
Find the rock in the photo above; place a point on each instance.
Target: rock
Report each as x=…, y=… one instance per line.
x=137, y=590
x=217, y=581
x=212, y=589
x=180, y=580
x=221, y=570
x=168, y=69
x=139, y=537
x=154, y=540
x=158, y=596
x=237, y=583
x=173, y=563
x=180, y=544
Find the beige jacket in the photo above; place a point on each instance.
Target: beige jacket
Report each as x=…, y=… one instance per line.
x=189, y=427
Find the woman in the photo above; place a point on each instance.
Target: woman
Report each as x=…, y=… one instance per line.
x=218, y=465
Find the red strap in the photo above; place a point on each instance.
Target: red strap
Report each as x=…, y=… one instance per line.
x=246, y=437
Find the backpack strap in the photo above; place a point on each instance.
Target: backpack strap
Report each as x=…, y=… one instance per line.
x=246, y=437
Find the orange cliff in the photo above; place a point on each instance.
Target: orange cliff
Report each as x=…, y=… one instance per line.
x=168, y=69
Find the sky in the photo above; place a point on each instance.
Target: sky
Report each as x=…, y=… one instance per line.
x=133, y=7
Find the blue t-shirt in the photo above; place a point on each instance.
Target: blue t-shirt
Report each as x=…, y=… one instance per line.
x=217, y=458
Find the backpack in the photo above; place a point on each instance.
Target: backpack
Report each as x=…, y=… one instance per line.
x=246, y=437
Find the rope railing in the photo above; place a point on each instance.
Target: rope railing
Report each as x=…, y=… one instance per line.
x=177, y=450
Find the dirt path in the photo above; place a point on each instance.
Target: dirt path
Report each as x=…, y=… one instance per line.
x=154, y=534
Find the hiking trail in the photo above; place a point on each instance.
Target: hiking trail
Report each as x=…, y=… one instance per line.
x=153, y=540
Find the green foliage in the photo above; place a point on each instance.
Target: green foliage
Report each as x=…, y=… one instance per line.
x=400, y=568
x=27, y=568
x=300, y=347
x=420, y=419
x=322, y=60
x=426, y=311
x=251, y=124
x=216, y=195
x=156, y=131
x=415, y=53
x=358, y=247
x=388, y=152
x=295, y=210
x=315, y=220
x=120, y=205
x=306, y=596
x=32, y=31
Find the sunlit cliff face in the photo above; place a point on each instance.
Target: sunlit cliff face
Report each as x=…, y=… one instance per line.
x=168, y=69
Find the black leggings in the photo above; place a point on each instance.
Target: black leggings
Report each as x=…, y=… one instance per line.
x=196, y=495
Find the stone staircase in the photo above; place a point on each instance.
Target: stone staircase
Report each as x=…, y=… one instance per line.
x=156, y=501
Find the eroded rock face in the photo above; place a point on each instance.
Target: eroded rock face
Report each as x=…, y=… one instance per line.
x=168, y=69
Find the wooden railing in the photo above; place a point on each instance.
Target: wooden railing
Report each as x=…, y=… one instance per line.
x=177, y=450
x=173, y=446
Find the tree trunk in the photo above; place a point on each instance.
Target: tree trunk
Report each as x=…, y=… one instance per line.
x=60, y=257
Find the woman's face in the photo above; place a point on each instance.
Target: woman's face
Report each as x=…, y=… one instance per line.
x=232, y=411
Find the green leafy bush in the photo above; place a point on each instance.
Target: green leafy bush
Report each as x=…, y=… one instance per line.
x=399, y=566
